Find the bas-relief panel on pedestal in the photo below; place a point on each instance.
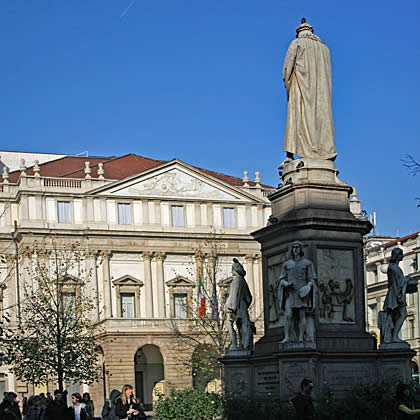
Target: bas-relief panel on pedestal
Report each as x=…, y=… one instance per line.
x=336, y=286
x=274, y=264
x=175, y=183
x=237, y=382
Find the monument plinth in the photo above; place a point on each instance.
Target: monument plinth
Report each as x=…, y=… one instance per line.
x=312, y=259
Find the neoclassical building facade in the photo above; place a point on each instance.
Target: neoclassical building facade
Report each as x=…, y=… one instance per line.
x=143, y=222
x=378, y=252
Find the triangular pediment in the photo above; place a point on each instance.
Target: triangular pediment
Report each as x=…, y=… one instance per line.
x=226, y=282
x=180, y=281
x=175, y=180
x=127, y=280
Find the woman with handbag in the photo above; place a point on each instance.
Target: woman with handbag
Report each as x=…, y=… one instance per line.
x=127, y=406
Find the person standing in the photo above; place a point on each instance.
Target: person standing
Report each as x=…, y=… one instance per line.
x=56, y=408
x=78, y=409
x=109, y=408
x=9, y=408
x=303, y=401
x=90, y=408
x=405, y=405
x=35, y=411
x=127, y=406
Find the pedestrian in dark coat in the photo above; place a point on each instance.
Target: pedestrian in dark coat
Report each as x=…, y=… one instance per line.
x=90, y=408
x=303, y=402
x=56, y=408
x=127, y=405
x=9, y=408
x=35, y=411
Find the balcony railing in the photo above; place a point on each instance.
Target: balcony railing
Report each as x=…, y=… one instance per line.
x=62, y=182
x=146, y=325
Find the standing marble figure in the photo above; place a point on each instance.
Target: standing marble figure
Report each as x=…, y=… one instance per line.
x=392, y=317
x=237, y=305
x=297, y=292
x=307, y=76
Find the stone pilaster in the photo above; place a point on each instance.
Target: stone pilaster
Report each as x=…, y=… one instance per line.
x=107, y=286
x=147, y=257
x=161, y=313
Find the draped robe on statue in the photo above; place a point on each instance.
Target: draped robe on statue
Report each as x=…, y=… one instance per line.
x=307, y=76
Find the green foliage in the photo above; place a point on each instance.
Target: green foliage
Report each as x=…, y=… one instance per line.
x=52, y=337
x=273, y=409
x=373, y=401
x=191, y=403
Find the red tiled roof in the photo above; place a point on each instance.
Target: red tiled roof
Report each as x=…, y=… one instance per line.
x=117, y=168
x=394, y=241
x=60, y=168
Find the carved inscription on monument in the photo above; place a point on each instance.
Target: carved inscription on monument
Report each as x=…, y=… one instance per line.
x=336, y=286
x=274, y=264
x=344, y=377
x=267, y=381
x=292, y=375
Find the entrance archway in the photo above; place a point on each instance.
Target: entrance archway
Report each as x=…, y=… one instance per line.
x=415, y=371
x=205, y=366
x=149, y=370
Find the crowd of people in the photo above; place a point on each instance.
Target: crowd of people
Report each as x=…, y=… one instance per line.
x=121, y=405
x=47, y=407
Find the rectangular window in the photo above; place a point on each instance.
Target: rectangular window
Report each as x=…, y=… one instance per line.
x=411, y=324
x=124, y=214
x=177, y=215
x=411, y=299
x=229, y=217
x=127, y=305
x=180, y=305
x=63, y=210
x=69, y=305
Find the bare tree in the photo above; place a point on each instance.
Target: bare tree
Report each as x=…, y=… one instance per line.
x=413, y=167
x=207, y=336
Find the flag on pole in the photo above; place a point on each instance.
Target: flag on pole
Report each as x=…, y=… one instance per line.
x=202, y=301
x=214, y=304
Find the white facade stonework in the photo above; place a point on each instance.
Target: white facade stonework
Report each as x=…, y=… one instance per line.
x=377, y=253
x=141, y=260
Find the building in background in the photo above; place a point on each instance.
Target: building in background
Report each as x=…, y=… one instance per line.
x=378, y=252
x=144, y=219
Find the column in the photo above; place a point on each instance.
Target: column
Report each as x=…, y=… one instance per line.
x=147, y=257
x=107, y=283
x=251, y=283
x=93, y=261
x=259, y=282
x=161, y=313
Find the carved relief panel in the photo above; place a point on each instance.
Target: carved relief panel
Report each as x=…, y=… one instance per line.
x=274, y=264
x=336, y=286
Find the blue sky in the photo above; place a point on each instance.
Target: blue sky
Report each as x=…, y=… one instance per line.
x=201, y=81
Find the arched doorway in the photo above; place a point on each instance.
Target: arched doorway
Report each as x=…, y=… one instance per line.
x=149, y=370
x=205, y=366
x=415, y=371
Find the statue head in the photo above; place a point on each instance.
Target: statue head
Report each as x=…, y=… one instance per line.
x=304, y=26
x=237, y=268
x=297, y=249
x=396, y=255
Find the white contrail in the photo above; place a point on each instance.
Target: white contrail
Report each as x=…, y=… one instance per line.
x=128, y=8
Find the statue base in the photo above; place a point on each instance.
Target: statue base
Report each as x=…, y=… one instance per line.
x=279, y=375
x=313, y=206
x=401, y=345
x=238, y=353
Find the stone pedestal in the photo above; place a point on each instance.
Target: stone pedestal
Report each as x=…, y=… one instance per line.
x=312, y=206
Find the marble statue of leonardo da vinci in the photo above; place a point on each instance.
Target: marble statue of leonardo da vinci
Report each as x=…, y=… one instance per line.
x=307, y=76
